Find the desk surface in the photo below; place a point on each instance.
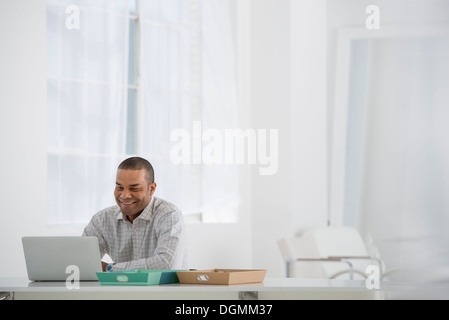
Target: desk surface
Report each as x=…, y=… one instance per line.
x=23, y=284
x=271, y=288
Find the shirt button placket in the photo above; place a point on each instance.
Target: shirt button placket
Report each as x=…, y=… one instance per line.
x=134, y=235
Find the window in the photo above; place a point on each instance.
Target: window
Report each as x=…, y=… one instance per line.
x=118, y=85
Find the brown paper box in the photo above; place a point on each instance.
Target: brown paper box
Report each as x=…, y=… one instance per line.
x=221, y=276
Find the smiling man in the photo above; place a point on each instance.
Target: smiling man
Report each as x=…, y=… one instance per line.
x=141, y=231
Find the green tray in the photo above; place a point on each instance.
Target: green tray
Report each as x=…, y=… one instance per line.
x=139, y=277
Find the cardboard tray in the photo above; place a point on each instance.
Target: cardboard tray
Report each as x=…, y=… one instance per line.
x=221, y=276
x=139, y=277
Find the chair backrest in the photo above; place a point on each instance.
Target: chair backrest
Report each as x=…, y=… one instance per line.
x=299, y=247
x=322, y=242
x=336, y=241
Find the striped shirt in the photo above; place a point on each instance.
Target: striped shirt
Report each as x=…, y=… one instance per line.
x=155, y=240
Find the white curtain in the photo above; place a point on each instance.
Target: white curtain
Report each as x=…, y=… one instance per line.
x=180, y=61
x=220, y=108
x=87, y=100
x=188, y=74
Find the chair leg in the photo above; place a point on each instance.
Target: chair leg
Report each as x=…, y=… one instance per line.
x=351, y=268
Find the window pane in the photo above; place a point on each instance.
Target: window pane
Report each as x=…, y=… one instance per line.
x=119, y=6
x=185, y=52
x=72, y=176
x=133, y=7
x=173, y=57
x=132, y=57
x=72, y=49
x=149, y=9
x=170, y=10
x=71, y=115
x=52, y=113
x=131, y=147
x=54, y=24
x=106, y=119
x=154, y=61
x=187, y=199
x=106, y=40
x=53, y=189
x=154, y=114
x=100, y=186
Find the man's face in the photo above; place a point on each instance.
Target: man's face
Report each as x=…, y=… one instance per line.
x=132, y=192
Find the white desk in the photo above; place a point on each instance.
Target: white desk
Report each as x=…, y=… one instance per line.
x=270, y=289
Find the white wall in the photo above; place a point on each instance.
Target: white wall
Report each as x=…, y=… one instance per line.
x=23, y=130
x=309, y=118
x=270, y=109
x=22, y=127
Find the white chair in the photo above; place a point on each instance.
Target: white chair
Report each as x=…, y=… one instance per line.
x=327, y=252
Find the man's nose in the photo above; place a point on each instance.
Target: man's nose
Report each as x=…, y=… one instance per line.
x=126, y=194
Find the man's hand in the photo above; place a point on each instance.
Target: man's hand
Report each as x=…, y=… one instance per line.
x=103, y=265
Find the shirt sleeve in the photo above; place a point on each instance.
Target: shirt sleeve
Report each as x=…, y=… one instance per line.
x=170, y=247
x=95, y=229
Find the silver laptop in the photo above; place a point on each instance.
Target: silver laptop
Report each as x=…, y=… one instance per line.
x=56, y=258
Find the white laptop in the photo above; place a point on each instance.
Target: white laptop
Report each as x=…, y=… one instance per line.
x=47, y=258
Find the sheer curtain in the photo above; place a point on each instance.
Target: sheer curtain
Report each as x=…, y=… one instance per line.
x=188, y=76
x=118, y=86
x=87, y=100
x=220, y=182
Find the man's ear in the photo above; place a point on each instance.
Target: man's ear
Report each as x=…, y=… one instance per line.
x=153, y=188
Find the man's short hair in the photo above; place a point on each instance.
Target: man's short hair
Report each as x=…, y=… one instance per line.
x=138, y=163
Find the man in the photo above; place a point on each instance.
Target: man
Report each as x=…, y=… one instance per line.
x=141, y=231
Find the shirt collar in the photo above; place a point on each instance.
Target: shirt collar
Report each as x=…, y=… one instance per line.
x=146, y=213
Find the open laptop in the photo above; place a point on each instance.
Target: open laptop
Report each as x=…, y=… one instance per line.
x=47, y=258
